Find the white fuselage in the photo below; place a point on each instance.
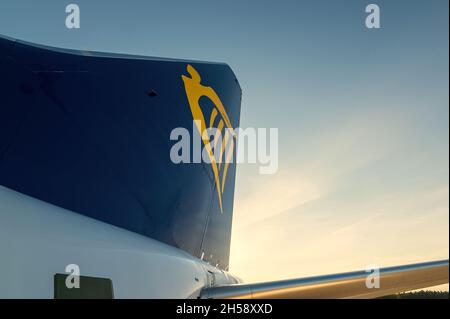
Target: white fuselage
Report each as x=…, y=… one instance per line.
x=38, y=240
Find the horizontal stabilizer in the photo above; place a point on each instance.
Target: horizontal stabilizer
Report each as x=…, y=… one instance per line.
x=346, y=285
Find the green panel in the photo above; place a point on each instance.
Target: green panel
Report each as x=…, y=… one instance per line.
x=90, y=288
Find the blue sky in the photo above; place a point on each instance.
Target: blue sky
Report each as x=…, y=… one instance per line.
x=363, y=117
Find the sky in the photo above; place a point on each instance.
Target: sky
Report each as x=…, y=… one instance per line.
x=363, y=117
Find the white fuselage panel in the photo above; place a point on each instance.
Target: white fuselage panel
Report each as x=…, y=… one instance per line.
x=38, y=240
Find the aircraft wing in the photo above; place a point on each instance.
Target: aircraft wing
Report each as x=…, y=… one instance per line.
x=340, y=286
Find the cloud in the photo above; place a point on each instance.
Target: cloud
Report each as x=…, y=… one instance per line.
x=348, y=200
x=273, y=194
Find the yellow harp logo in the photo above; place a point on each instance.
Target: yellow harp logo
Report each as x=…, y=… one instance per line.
x=194, y=91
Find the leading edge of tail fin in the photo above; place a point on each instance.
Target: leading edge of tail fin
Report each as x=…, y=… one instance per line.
x=92, y=133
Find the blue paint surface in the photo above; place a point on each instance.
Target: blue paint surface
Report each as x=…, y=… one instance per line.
x=79, y=130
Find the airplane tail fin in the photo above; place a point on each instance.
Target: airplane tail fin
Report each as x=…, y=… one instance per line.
x=90, y=132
